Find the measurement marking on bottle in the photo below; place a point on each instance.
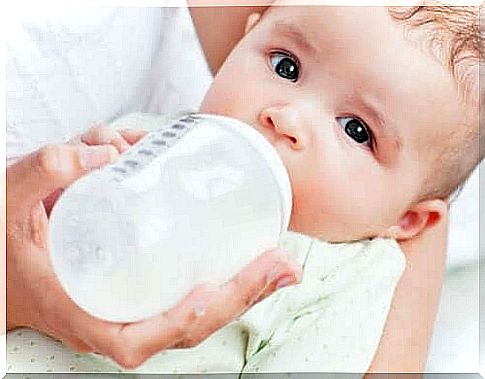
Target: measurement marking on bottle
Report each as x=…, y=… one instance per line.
x=137, y=158
x=190, y=118
x=131, y=163
x=146, y=152
x=119, y=169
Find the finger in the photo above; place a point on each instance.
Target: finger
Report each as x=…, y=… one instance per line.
x=132, y=136
x=204, y=310
x=77, y=345
x=259, y=279
x=209, y=307
x=50, y=200
x=64, y=320
x=270, y=271
x=73, y=342
x=134, y=343
x=279, y=283
x=36, y=176
x=104, y=135
x=68, y=339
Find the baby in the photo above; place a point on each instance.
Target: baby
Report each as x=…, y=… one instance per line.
x=374, y=112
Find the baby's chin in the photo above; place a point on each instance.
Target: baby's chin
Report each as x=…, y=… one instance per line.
x=335, y=234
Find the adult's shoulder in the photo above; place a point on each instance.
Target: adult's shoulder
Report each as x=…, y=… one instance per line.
x=67, y=67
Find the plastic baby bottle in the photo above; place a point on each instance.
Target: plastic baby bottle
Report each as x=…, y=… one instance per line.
x=192, y=202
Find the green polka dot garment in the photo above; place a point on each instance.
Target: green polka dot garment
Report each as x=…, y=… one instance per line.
x=330, y=322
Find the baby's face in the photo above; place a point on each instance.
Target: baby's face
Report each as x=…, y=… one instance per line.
x=355, y=110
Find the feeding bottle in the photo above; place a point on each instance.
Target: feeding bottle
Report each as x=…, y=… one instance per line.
x=193, y=201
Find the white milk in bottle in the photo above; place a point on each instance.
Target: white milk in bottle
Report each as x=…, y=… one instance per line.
x=192, y=202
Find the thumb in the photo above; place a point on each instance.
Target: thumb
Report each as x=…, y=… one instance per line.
x=36, y=176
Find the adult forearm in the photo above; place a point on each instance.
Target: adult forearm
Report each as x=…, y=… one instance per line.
x=220, y=28
x=406, y=338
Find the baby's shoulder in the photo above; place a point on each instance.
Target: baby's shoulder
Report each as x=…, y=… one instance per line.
x=332, y=272
x=343, y=298
x=320, y=257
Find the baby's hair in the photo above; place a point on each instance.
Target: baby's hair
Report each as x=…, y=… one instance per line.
x=455, y=37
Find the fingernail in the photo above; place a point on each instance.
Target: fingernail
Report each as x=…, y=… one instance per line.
x=275, y=272
x=278, y=272
x=124, y=146
x=95, y=156
x=286, y=281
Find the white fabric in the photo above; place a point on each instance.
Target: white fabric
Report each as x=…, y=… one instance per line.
x=455, y=346
x=68, y=68
x=463, y=242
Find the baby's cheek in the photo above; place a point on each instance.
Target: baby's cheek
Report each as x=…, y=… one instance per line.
x=227, y=96
x=328, y=211
x=311, y=209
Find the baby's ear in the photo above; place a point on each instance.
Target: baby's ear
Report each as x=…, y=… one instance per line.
x=419, y=217
x=252, y=20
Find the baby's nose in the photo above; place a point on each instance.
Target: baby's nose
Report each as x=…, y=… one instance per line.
x=284, y=122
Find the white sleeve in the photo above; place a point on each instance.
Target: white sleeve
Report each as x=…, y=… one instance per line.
x=69, y=67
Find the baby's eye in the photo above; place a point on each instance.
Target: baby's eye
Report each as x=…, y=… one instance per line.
x=285, y=66
x=356, y=130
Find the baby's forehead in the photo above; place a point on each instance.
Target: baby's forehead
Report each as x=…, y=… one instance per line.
x=320, y=22
x=418, y=26
x=417, y=90
x=317, y=13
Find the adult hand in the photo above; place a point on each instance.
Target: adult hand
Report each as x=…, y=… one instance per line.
x=35, y=298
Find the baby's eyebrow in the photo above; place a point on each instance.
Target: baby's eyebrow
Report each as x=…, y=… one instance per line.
x=385, y=129
x=296, y=34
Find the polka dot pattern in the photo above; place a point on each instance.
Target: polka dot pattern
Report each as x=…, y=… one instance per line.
x=331, y=321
